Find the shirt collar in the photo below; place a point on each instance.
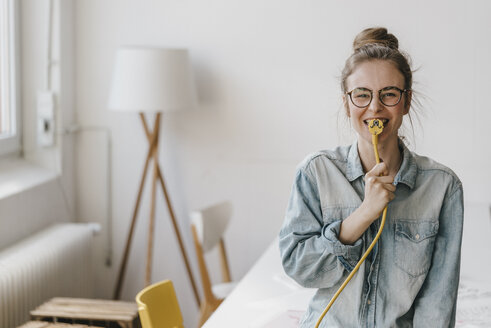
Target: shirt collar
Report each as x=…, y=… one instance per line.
x=407, y=172
x=354, y=170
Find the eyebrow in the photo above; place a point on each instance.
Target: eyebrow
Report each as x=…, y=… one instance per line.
x=384, y=88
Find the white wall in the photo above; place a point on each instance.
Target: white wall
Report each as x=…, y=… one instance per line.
x=267, y=76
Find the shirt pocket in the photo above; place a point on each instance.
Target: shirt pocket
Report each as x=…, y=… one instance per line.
x=414, y=241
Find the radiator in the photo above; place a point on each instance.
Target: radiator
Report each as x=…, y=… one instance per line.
x=53, y=262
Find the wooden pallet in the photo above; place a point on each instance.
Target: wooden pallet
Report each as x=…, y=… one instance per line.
x=88, y=311
x=44, y=324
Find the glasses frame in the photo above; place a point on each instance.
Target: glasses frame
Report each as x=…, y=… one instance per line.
x=402, y=91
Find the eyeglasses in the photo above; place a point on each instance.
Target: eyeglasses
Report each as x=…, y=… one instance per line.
x=389, y=96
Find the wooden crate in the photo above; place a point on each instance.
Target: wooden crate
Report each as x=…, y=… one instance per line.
x=44, y=324
x=100, y=313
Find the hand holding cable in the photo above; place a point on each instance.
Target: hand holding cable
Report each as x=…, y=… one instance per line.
x=379, y=191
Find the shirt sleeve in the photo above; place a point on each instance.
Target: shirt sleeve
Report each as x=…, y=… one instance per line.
x=310, y=249
x=436, y=303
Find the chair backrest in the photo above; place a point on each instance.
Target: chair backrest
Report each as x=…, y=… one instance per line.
x=211, y=223
x=208, y=226
x=158, y=306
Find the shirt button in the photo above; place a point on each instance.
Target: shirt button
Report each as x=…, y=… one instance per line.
x=369, y=302
x=417, y=236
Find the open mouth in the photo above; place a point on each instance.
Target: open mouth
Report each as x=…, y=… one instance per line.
x=384, y=120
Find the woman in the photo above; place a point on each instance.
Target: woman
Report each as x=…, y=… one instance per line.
x=411, y=276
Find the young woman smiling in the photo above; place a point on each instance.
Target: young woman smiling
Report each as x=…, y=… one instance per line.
x=411, y=276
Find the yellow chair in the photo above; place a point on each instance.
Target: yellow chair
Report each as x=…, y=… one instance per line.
x=208, y=227
x=158, y=306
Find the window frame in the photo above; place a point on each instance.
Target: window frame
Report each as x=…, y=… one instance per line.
x=10, y=143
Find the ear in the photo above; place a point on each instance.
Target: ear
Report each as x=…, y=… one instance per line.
x=346, y=107
x=407, y=101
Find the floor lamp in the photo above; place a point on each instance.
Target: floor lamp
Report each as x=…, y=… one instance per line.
x=151, y=81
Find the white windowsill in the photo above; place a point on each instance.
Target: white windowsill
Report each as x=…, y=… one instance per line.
x=17, y=175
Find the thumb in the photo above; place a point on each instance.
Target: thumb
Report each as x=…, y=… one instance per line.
x=379, y=170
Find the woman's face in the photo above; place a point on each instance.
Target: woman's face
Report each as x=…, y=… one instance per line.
x=376, y=75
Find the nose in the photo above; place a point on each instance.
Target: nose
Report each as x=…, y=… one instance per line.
x=375, y=105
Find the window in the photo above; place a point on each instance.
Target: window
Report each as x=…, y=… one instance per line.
x=9, y=109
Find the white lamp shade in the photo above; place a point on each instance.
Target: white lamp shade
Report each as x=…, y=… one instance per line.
x=152, y=80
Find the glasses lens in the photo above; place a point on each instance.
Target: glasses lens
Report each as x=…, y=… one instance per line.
x=361, y=97
x=390, y=96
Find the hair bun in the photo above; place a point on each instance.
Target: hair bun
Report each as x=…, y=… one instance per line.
x=375, y=35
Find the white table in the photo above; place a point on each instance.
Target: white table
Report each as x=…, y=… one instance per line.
x=265, y=297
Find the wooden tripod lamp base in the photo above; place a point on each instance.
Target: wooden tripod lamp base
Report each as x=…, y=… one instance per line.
x=152, y=157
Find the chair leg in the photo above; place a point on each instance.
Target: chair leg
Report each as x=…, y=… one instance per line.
x=206, y=310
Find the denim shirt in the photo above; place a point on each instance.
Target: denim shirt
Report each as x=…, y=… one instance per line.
x=411, y=277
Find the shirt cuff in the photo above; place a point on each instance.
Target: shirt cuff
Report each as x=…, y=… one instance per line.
x=349, y=255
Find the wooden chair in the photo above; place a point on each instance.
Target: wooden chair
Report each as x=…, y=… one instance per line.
x=158, y=306
x=208, y=226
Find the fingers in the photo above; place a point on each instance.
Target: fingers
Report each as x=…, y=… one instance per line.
x=379, y=170
x=384, y=179
x=381, y=186
x=383, y=192
x=381, y=182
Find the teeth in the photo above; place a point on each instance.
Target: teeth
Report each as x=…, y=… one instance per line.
x=384, y=120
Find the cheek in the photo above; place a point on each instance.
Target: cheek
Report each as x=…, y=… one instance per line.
x=356, y=119
x=352, y=111
x=397, y=119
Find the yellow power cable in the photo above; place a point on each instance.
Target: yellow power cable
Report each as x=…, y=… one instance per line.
x=375, y=127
